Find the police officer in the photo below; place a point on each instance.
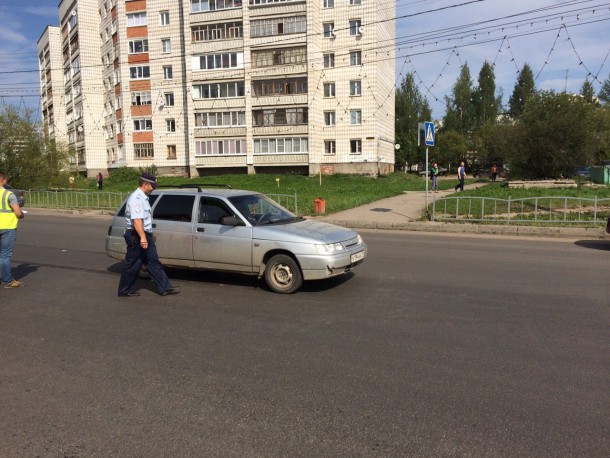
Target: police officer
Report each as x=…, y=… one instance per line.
x=10, y=212
x=141, y=247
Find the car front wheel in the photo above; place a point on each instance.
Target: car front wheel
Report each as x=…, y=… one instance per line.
x=283, y=275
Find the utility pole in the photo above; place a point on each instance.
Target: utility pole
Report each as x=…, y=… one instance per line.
x=565, y=87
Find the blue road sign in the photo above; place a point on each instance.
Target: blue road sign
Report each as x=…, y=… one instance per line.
x=429, y=126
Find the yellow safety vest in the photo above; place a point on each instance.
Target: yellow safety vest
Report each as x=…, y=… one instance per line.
x=8, y=219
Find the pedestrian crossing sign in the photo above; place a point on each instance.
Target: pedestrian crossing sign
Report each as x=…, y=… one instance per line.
x=429, y=129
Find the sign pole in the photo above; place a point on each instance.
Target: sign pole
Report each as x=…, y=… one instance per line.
x=427, y=178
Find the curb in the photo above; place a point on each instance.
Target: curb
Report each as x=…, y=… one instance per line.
x=482, y=229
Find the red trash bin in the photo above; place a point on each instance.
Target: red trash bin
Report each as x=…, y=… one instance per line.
x=319, y=205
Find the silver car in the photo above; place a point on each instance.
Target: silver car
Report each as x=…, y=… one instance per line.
x=245, y=232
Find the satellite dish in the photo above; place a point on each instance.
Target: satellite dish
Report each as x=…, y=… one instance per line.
x=396, y=146
x=73, y=12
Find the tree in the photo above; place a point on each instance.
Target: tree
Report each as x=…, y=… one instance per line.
x=524, y=89
x=460, y=115
x=604, y=92
x=25, y=156
x=411, y=109
x=555, y=134
x=486, y=104
x=587, y=90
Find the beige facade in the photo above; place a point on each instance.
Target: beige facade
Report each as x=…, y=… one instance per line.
x=199, y=87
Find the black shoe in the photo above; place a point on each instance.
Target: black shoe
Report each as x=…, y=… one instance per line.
x=129, y=294
x=170, y=291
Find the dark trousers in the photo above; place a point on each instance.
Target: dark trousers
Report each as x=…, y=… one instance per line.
x=460, y=185
x=135, y=257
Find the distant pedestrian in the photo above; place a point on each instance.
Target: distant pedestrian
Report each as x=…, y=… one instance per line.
x=493, y=172
x=10, y=212
x=100, y=181
x=71, y=182
x=461, y=175
x=434, y=176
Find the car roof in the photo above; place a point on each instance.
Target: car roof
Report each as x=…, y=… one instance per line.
x=202, y=190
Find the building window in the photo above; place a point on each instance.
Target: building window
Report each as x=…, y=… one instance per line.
x=279, y=87
x=220, y=147
x=141, y=124
x=281, y=145
x=355, y=117
x=355, y=58
x=171, y=151
x=219, y=90
x=166, y=45
x=215, y=32
x=216, y=61
x=329, y=118
x=138, y=46
x=329, y=29
x=168, y=74
x=329, y=89
x=355, y=87
x=140, y=98
x=221, y=119
x=139, y=72
x=328, y=3
x=329, y=60
x=143, y=150
x=355, y=2
x=354, y=27
x=278, y=26
x=164, y=17
x=279, y=117
x=282, y=56
x=355, y=146
x=169, y=99
x=330, y=146
x=170, y=124
x=199, y=6
x=136, y=19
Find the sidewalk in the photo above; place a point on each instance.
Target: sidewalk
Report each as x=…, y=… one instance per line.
x=404, y=212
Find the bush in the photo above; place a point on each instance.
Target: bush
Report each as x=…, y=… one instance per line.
x=125, y=175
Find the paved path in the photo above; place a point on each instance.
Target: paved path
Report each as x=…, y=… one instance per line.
x=404, y=212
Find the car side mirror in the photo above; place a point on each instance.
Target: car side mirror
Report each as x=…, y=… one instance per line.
x=231, y=221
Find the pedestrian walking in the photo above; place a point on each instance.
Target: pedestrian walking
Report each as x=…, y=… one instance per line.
x=100, y=181
x=494, y=172
x=434, y=176
x=461, y=175
x=71, y=182
x=141, y=248
x=10, y=213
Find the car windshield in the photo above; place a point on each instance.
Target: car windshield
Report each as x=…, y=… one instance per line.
x=259, y=209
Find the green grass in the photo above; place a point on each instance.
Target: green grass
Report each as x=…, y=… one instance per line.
x=342, y=192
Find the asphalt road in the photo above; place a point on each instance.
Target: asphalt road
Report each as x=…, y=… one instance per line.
x=438, y=345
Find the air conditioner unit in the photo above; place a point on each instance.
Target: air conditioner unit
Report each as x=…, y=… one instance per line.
x=161, y=104
x=360, y=30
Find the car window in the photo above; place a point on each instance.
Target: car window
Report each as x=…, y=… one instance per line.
x=174, y=208
x=212, y=210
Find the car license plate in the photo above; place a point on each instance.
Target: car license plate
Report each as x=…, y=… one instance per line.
x=357, y=256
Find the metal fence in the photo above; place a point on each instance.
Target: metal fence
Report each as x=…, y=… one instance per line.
x=68, y=199
x=552, y=210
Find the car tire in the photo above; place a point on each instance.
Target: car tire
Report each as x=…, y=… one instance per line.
x=283, y=275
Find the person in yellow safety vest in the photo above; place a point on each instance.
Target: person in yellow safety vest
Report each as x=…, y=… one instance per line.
x=10, y=212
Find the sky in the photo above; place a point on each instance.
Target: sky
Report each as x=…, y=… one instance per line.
x=564, y=42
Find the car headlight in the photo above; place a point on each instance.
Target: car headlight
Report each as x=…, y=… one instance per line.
x=360, y=241
x=329, y=248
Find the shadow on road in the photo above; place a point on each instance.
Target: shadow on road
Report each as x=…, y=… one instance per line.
x=603, y=245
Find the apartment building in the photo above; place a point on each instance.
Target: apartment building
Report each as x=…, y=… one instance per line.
x=51, y=79
x=201, y=87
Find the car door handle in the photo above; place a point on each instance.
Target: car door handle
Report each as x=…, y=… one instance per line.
x=201, y=229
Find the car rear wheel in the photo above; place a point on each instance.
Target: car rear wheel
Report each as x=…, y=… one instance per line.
x=283, y=275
